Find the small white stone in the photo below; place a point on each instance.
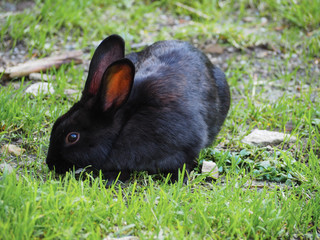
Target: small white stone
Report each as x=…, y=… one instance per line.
x=264, y=138
x=40, y=77
x=122, y=238
x=12, y=149
x=71, y=92
x=211, y=168
x=264, y=20
x=80, y=170
x=40, y=87
x=4, y=167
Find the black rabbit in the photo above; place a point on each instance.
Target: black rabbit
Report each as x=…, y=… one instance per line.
x=149, y=111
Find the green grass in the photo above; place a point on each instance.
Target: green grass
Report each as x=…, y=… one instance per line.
x=69, y=209
x=262, y=192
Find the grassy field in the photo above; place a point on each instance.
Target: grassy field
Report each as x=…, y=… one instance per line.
x=270, y=51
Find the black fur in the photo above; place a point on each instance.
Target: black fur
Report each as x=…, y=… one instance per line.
x=176, y=107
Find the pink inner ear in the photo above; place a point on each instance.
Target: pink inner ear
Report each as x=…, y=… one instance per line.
x=106, y=60
x=117, y=85
x=95, y=82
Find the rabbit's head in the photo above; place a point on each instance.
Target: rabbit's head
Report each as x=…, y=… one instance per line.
x=83, y=136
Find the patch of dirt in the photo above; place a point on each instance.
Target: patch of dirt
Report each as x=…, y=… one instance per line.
x=18, y=54
x=18, y=6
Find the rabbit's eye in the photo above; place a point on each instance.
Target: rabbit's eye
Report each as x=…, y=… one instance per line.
x=72, y=138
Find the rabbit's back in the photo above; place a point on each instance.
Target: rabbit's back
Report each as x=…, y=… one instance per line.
x=176, y=74
x=173, y=111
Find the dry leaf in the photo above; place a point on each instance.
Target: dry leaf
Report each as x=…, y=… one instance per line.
x=249, y=19
x=214, y=48
x=279, y=28
x=289, y=126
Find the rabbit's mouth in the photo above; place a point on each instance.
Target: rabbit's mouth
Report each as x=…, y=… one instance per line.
x=59, y=166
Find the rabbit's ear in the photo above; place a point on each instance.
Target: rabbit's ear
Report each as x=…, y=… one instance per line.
x=116, y=84
x=110, y=50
